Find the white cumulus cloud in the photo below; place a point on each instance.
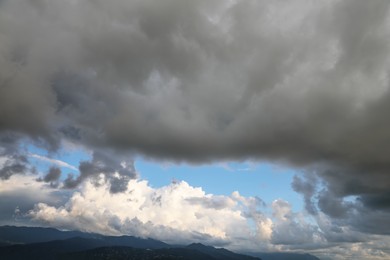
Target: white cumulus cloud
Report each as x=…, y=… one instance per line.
x=178, y=209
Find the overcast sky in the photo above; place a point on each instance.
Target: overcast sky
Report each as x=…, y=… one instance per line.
x=303, y=85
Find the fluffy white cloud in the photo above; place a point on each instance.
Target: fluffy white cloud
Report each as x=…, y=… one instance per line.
x=142, y=210
x=180, y=213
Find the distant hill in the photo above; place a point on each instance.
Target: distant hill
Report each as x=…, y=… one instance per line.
x=91, y=248
x=49, y=243
x=128, y=253
x=284, y=256
x=48, y=250
x=219, y=253
x=27, y=235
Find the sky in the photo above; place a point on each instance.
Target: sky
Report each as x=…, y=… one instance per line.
x=247, y=124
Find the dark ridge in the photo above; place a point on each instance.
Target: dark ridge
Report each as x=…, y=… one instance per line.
x=284, y=256
x=218, y=253
x=27, y=235
x=128, y=253
x=49, y=243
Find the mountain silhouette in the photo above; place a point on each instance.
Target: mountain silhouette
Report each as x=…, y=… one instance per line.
x=26, y=235
x=218, y=253
x=36, y=243
x=284, y=256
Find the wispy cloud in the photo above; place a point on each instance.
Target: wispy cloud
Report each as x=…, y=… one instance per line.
x=56, y=162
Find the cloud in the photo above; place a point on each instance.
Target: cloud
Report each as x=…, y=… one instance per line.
x=215, y=202
x=52, y=177
x=201, y=81
x=20, y=193
x=308, y=188
x=119, y=170
x=178, y=213
x=158, y=78
x=16, y=164
x=292, y=229
x=56, y=162
x=357, y=213
x=12, y=161
x=298, y=83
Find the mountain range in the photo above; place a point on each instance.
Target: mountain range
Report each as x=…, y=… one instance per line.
x=48, y=243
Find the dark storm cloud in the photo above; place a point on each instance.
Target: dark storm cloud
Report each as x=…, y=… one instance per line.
x=303, y=83
x=376, y=201
x=196, y=81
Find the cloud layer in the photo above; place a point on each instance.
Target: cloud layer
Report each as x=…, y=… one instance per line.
x=179, y=213
x=200, y=81
x=301, y=83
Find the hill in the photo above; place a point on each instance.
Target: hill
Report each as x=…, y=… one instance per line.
x=284, y=256
x=49, y=243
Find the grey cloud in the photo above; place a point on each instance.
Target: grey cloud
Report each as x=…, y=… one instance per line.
x=353, y=200
x=165, y=233
x=13, y=158
x=336, y=232
x=9, y=143
x=16, y=164
x=291, y=230
x=333, y=206
x=370, y=221
x=24, y=200
x=376, y=201
x=193, y=81
x=70, y=182
x=205, y=80
x=214, y=202
x=356, y=224
x=288, y=235
x=308, y=188
x=119, y=184
x=117, y=169
x=368, y=184
x=9, y=202
x=52, y=177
